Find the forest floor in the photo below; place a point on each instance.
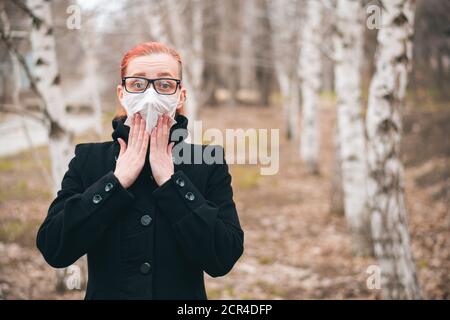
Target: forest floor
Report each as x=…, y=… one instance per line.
x=296, y=247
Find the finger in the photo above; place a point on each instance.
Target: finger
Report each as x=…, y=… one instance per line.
x=141, y=135
x=169, y=127
x=153, y=141
x=136, y=130
x=170, y=148
x=165, y=134
x=123, y=146
x=144, y=146
x=159, y=133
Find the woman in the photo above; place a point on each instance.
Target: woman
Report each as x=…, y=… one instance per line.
x=149, y=227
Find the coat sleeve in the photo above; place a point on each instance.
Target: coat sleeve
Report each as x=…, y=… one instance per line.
x=77, y=216
x=206, y=226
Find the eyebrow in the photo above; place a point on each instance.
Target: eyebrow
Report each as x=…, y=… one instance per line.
x=160, y=74
x=164, y=74
x=138, y=74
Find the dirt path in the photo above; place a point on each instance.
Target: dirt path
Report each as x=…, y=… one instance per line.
x=294, y=248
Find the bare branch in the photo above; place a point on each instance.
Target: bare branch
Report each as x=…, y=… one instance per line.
x=13, y=50
x=28, y=11
x=11, y=108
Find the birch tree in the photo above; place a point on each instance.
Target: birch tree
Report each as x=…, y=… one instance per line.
x=229, y=26
x=44, y=77
x=263, y=53
x=89, y=43
x=185, y=34
x=309, y=72
x=247, y=70
x=384, y=126
x=348, y=55
x=47, y=78
x=337, y=191
x=283, y=19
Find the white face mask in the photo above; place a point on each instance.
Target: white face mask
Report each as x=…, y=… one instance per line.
x=150, y=105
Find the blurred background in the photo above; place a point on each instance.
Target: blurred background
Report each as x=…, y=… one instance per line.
x=359, y=208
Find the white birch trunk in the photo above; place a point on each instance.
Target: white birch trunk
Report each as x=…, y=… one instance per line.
x=337, y=191
x=348, y=45
x=290, y=102
x=89, y=42
x=293, y=108
x=47, y=77
x=247, y=70
x=157, y=25
x=191, y=51
x=310, y=69
x=386, y=186
x=196, y=64
x=189, y=43
x=284, y=35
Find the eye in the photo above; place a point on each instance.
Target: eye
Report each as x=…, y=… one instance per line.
x=135, y=84
x=165, y=85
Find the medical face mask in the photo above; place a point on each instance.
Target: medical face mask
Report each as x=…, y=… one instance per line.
x=150, y=105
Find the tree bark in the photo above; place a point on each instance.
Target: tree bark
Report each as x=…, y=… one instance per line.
x=47, y=77
x=337, y=192
x=190, y=48
x=386, y=186
x=247, y=70
x=310, y=69
x=282, y=17
x=348, y=45
x=89, y=43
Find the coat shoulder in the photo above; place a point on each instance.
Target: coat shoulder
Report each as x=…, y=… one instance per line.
x=93, y=159
x=87, y=152
x=84, y=148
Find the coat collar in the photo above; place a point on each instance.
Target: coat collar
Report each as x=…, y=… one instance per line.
x=121, y=130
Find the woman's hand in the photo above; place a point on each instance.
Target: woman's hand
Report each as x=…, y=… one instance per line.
x=161, y=160
x=131, y=158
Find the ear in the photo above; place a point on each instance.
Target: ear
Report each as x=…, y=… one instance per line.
x=119, y=92
x=182, y=99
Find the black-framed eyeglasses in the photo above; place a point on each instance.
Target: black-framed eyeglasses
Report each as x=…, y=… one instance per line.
x=165, y=86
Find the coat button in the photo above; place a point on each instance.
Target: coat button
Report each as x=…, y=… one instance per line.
x=97, y=198
x=108, y=186
x=145, y=268
x=190, y=196
x=180, y=182
x=146, y=220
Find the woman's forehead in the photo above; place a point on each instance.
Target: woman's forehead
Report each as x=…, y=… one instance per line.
x=153, y=66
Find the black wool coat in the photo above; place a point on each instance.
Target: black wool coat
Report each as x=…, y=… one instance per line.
x=146, y=241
